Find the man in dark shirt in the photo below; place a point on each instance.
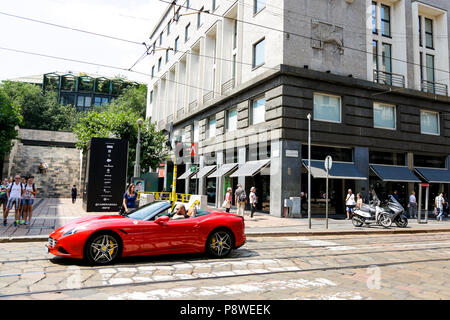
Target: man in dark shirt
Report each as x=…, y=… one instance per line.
x=74, y=193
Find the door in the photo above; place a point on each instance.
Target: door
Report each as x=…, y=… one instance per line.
x=175, y=236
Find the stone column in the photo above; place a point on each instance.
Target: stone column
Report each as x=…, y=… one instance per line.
x=410, y=163
x=285, y=173
x=361, y=159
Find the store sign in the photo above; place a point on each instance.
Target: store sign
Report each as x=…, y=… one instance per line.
x=292, y=153
x=106, y=174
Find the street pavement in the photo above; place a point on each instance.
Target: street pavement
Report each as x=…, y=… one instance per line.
x=372, y=266
x=49, y=214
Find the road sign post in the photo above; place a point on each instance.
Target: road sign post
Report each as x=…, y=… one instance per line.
x=328, y=164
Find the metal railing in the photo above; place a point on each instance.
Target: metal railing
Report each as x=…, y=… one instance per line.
x=170, y=118
x=228, y=85
x=180, y=113
x=434, y=87
x=161, y=124
x=389, y=78
x=208, y=96
x=193, y=105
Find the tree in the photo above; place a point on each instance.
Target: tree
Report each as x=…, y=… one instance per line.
x=123, y=125
x=132, y=99
x=9, y=118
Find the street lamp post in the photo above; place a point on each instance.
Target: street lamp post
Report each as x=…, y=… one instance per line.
x=137, y=165
x=309, y=170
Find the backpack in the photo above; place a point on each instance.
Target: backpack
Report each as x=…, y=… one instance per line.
x=242, y=196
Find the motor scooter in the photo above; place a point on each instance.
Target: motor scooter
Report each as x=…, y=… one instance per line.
x=397, y=212
x=372, y=213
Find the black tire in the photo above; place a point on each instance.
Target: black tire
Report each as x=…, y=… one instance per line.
x=220, y=243
x=103, y=248
x=357, y=221
x=401, y=222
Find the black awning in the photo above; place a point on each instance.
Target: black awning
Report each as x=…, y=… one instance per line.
x=394, y=173
x=434, y=175
x=339, y=170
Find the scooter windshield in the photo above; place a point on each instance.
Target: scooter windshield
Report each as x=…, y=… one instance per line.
x=395, y=203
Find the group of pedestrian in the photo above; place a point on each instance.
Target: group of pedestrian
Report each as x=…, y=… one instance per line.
x=240, y=199
x=19, y=193
x=441, y=206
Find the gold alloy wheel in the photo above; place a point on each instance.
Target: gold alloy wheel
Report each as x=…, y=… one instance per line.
x=104, y=249
x=221, y=243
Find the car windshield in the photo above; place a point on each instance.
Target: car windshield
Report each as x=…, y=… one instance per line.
x=149, y=211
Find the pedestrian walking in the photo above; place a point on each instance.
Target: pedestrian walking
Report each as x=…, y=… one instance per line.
x=23, y=184
x=129, y=199
x=253, y=201
x=74, y=193
x=395, y=195
x=240, y=200
x=14, y=194
x=446, y=207
x=412, y=205
x=29, y=194
x=3, y=197
x=439, y=205
x=350, y=203
x=303, y=201
x=228, y=199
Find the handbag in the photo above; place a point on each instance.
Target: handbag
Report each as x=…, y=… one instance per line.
x=225, y=204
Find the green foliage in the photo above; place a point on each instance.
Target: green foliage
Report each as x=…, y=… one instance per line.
x=9, y=118
x=123, y=125
x=132, y=99
x=39, y=111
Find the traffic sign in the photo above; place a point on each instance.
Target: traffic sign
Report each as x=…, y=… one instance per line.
x=194, y=169
x=328, y=163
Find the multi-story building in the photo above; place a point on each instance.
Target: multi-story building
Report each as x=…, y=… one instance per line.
x=240, y=77
x=80, y=90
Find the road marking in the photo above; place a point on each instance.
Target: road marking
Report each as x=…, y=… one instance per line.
x=233, y=289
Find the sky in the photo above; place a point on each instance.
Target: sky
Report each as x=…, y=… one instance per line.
x=127, y=19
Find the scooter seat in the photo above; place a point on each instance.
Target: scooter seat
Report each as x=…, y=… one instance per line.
x=369, y=209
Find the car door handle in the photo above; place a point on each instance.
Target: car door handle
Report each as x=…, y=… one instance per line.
x=197, y=226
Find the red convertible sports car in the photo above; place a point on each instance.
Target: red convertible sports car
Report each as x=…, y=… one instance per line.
x=150, y=230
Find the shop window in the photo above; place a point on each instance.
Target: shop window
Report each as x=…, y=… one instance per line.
x=389, y=158
x=429, y=161
x=258, y=151
x=321, y=152
x=429, y=122
x=327, y=107
x=384, y=116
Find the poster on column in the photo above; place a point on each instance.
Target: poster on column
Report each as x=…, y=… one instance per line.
x=105, y=174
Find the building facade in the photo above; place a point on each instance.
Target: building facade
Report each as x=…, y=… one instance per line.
x=240, y=78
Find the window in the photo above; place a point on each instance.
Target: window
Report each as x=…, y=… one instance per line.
x=235, y=34
x=384, y=116
x=176, y=44
x=159, y=63
x=154, y=47
x=386, y=56
x=153, y=71
x=258, y=53
x=188, y=3
x=199, y=18
x=375, y=54
x=186, y=32
x=167, y=55
x=160, y=38
x=327, y=107
x=231, y=123
x=429, y=122
x=385, y=20
x=374, y=18
x=258, y=110
x=429, y=33
x=211, y=127
x=258, y=5
x=420, y=31
x=196, y=132
x=213, y=5
x=168, y=27
x=430, y=67
x=429, y=161
x=151, y=97
x=177, y=15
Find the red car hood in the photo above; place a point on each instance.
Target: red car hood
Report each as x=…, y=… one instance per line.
x=85, y=223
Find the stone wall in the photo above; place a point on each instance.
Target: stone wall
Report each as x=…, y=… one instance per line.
x=57, y=149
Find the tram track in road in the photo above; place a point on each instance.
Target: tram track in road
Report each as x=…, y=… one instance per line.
x=300, y=239
x=248, y=259
x=295, y=270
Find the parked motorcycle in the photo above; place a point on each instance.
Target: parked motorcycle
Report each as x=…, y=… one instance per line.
x=397, y=212
x=373, y=213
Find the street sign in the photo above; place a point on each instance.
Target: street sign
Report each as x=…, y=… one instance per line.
x=194, y=169
x=328, y=163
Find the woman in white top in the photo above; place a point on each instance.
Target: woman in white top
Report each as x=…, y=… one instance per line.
x=350, y=203
x=228, y=199
x=29, y=195
x=252, y=201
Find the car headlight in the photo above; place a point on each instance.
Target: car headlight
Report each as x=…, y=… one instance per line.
x=72, y=231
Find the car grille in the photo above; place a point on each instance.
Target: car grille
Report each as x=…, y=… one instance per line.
x=51, y=242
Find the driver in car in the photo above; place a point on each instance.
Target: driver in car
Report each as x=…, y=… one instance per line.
x=181, y=212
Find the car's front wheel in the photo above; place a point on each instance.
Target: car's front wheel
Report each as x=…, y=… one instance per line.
x=102, y=248
x=220, y=243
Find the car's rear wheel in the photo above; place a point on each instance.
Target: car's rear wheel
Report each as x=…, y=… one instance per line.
x=103, y=248
x=220, y=243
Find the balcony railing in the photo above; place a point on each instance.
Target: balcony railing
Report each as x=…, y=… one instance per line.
x=180, y=113
x=228, y=85
x=161, y=124
x=208, y=96
x=389, y=78
x=434, y=87
x=193, y=105
x=170, y=118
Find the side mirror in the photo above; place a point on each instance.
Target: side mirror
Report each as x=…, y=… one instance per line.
x=162, y=220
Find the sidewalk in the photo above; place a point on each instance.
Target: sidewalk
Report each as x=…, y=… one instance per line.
x=49, y=214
